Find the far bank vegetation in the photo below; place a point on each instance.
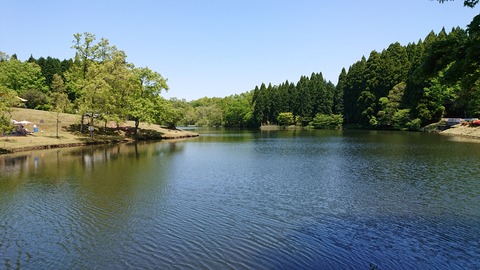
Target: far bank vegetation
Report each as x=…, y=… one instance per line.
x=403, y=87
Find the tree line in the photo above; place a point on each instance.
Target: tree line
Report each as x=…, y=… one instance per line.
x=410, y=86
x=401, y=87
x=97, y=83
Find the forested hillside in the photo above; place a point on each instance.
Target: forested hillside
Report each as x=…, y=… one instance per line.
x=402, y=87
x=97, y=83
x=417, y=84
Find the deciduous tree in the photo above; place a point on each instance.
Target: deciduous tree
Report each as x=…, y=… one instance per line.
x=141, y=101
x=285, y=118
x=58, y=95
x=21, y=76
x=7, y=100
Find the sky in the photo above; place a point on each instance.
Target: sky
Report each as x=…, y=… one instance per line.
x=217, y=48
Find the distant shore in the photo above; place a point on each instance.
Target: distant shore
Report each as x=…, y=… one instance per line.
x=463, y=131
x=458, y=131
x=70, y=136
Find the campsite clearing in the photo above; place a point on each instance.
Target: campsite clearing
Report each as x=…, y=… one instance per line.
x=69, y=132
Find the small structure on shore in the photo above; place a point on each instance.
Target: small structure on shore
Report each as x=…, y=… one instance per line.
x=20, y=127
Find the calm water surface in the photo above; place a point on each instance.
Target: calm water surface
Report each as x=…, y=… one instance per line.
x=246, y=200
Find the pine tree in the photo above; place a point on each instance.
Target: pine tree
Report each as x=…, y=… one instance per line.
x=354, y=85
x=339, y=89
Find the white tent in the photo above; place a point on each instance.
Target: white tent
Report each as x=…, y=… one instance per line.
x=24, y=122
x=20, y=126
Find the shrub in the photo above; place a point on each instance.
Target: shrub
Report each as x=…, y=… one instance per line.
x=415, y=124
x=326, y=121
x=36, y=99
x=285, y=118
x=5, y=125
x=401, y=118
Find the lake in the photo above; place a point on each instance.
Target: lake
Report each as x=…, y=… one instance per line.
x=233, y=199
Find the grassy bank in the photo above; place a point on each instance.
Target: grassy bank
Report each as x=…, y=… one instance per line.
x=69, y=132
x=463, y=131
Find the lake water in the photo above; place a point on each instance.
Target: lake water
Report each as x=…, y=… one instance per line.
x=246, y=200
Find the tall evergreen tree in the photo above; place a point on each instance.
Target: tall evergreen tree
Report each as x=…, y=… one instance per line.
x=339, y=89
x=354, y=85
x=303, y=100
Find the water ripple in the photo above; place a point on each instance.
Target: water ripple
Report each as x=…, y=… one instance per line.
x=265, y=202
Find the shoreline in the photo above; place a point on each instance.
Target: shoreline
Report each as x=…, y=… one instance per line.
x=457, y=131
x=12, y=150
x=4, y=151
x=462, y=132
x=69, y=136
x=46, y=138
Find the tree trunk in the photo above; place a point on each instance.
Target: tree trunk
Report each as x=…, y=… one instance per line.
x=81, y=123
x=137, y=123
x=92, y=128
x=57, y=123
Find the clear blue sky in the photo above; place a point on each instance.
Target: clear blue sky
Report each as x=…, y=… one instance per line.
x=223, y=47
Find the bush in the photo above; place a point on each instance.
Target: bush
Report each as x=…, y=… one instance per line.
x=285, y=118
x=401, y=118
x=327, y=121
x=5, y=125
x=415, y=124
x=36, y=99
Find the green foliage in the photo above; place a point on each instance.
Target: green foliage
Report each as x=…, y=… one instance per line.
x=401, y=87
x=49, y=67
x=285, y=118
x=402, y=120
x=338, y=95
x=390, y=105
x=436, y=77
x=327, y=121
x=231, y=111
x=414, y=124
x=366, y=105
x=59, y=98
x=104, y=84
x=36, y=99
x=7, y=101
x=209, y=116
x=354, y=84
x=21, y=76
x=237, y=110
x=170, y=112
x=4, y=57
x=60, y=102
x=141, y=101
x=311, y=95
x=5, y=125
